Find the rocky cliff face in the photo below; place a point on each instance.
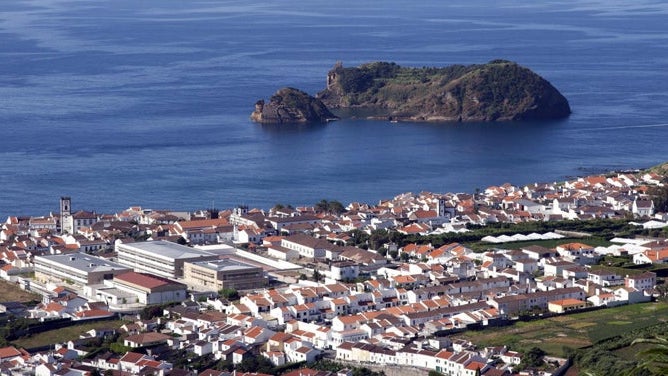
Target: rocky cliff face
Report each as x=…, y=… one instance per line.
x=497, y=91
x=290, y=105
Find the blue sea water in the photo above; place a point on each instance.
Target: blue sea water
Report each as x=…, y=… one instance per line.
x=124, y=102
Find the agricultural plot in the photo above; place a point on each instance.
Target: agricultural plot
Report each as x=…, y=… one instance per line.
x=556, y=334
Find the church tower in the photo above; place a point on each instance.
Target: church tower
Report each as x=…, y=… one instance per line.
x=65, y=206
x=440, y=208
x=66, y=220
x=237, y=215
x=241, y=210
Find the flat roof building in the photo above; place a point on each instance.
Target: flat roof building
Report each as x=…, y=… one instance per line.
x=162, y=258
x=79, y=269
x=150, y=289
x=220, y=274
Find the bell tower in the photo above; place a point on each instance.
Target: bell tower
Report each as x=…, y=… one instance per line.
x=241, y=210
x=65, y=206
x=66, y=220
x=440, y=208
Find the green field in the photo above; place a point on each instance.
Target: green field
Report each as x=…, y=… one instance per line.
x=64, y=334
x=571, y=331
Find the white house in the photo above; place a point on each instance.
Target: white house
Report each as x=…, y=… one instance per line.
x=605, y=278
x=643, y=208
x=344, y=270
x=202, y=348
x=306, y=245
x=642, y=282
x=651, y=256
x=631, y=295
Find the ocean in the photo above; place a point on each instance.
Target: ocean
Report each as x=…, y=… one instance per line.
x=123, y=102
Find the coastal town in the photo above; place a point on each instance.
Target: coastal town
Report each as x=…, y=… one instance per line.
x=360, y=285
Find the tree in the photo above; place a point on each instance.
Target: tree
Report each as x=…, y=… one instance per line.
x=660, y=198
x=229, y=293
x=223, y=365
x=151, y=311
x=533, y=358
x=256, y=363
x=336, y=207
x=317, y=276
x=325, y=206
x=359, y=237
x=119, y=348
x=378, y=238
x=280, y=206
x=322, y=206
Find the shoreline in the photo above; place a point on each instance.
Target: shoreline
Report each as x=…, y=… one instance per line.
x=603, y=172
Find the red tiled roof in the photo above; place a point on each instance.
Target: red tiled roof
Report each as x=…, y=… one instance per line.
x=9, y=352
x=254, y=332
x=149, y=363
x=657, y=255
x=425, y=214
x=143, y=280
x=132, y=357
x=203, y=223
x=53, y=306
x=148, y=337
x=475, y=365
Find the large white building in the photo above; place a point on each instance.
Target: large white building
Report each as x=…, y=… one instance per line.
x=160, y=258
x=79, y=269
